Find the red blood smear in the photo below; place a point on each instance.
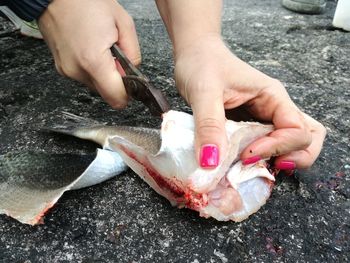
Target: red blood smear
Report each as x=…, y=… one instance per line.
x=191, y=199
x=161, y=181
x=38, y=220
x=273, y=248
x=340, y=174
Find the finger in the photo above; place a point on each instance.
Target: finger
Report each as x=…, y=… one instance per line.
x=107, y=80
x=304, y=158
x=291, y=134
x=75, y=72
x=72, y=70
x=127, y=37
x=210, y=134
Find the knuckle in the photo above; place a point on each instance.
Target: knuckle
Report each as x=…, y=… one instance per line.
x=305, y=132
x=204, y=87
x=306, y=139
x=137, y=59
x=304, y=164
x=209, y=127
x=322, y=129
x=275, y=152
x=68, y=70
x=89, y=61
x=118, y=105
x=129, y=22
x=59, y=69
x=277, y=83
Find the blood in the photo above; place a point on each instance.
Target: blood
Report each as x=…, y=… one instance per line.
x=273, y=248
x=39, y=220
x=161, y=181
x=188, y=197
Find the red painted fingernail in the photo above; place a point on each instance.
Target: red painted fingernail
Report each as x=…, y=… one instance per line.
x=209, y=156
x=251, y=160
x=286, y=165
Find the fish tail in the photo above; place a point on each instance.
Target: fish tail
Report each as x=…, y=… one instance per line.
x=71, y=124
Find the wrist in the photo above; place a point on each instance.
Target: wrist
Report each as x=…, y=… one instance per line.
x=187, y=21
x=192, y=42
x=199, y=45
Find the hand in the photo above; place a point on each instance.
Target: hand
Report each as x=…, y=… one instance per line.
x=213, y=80
x=80, y=33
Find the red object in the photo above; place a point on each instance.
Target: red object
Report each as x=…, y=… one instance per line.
x=251, y=160
x=286, y=165
x=209, y=156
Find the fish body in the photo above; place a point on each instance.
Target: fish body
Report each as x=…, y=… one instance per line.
x=165, y=159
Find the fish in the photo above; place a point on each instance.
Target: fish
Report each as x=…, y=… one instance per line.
x=165, y=159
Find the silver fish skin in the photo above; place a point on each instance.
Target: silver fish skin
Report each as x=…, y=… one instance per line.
x=165, y=159
x=32, y=182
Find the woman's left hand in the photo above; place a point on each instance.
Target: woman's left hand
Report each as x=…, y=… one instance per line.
x=213, y=80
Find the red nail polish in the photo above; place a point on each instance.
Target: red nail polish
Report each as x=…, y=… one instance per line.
x=209, y=156
x=286, y=165
x=251, y=160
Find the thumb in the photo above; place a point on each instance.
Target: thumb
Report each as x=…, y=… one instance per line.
x=210, y=133
x=107, y=80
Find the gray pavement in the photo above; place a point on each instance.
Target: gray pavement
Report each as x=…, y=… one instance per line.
x=307, y=218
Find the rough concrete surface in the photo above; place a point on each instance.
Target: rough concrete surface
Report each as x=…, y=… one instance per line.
x=307, y=218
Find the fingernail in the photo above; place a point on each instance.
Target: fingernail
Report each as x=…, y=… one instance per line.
x=209, y=156
x=251, y=160
x=286, y=165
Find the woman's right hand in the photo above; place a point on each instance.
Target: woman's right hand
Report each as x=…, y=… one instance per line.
x=80, y=33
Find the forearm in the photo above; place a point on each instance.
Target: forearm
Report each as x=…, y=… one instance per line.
x=188, y=20
x=27, y=9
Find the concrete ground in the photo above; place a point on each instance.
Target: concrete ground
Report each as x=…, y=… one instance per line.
x=307, y=218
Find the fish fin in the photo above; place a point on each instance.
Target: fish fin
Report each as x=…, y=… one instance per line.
x=69, y=123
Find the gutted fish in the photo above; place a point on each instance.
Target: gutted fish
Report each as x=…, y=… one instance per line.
x=165, y=159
